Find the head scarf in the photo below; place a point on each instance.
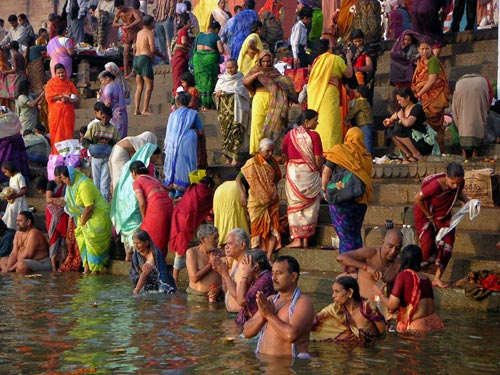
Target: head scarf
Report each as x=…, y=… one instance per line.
x=270, y=7
x=353, y=156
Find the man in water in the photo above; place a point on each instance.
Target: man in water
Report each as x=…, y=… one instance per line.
x=31, y=249
x=145, y=52
x=375, y=263
x=237, y=243
x=283, y=321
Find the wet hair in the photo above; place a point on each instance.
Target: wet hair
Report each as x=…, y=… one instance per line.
x=61, y=29
x=306, y=12
x=183, y=99
x=148, y=20
x=28, y=216
x=406, y=92
x=106, y=74
x=41, y=183
x=188, y=78
x=357, y=34
x=255, y=26
x=240, y=236
x=363, y=91
x=214, y=25
x=308, y=114
x=237, y=9
x=250, y=4
x=107, y=111
x=264, y=142
x=143, y=236
x=24, y=87
x=27, y=132
x=293, y=264
x=411, y=258
x=14, y=45
x=98, y=106
x=10, y=166
x=205, y=231
x=138, y=167
x=59, y=66
x=260, y=257
x=347, y=283
x=12, y=18
x=23, y=17
x=61, y=170
x=183, y=20
x=454, y=170
x=3, y=227
x=188, y=5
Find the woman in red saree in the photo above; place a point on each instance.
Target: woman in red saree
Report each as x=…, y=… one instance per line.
x=304, y=162
x=154, y=203
x=432, y=210
x=61, y=95
x=412, y=294
x=182, y=46
x=430, y=85
x=261, y=174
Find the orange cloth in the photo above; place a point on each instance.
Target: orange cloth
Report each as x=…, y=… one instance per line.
x=345, y=18
x=61, y=115
x=353, y=156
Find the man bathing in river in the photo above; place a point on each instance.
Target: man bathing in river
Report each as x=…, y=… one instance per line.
x=31, y=249
x=283, y=321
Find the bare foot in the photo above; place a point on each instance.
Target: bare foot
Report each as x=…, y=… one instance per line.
x=137, y=112
x=439, y=284
x=296, y=243
x=146, y=113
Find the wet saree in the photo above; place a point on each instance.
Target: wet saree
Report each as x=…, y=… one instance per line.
x=206, y=70
x=160, y=279
x=94, y=237
x=263, y=201
x=233, y=110
x=57, y=50
x=56, y=223
x=303, y=185
x=61, y=115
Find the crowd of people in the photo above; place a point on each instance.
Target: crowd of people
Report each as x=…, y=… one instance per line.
x=328, y=156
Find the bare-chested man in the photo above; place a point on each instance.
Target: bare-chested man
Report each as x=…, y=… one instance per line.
x=375, y=263
x=237, y=242
x=145, y=52
x=131, y=23
x=203, y=280
x=289, y=315
x=31, y=249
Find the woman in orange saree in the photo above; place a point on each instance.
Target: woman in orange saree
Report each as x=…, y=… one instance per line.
x=61, y=95
x=430, y=85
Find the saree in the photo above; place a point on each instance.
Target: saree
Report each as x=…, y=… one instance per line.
x=334, y=324
x=56, y=222
x=12, y=145
x=440, y=203
x=303, y=185
x=347, y=217
x=59, y=55
x=402, y=67
x=125, y=214
x=345, y=19
x=160, y=279
x=113, y=92
x=180, y=148
x=263, y=200
x=206, y=70
x=35, y=73
x=434, y=101
x=180, y=58
x=233, y=109
x=406, y=323
x=94, y=237
x=221, y=16
x=158, y=217
x=324, y=97
x=269, y=110
x=188, y=214
x=245, y=62
x=61, y=115
x=240, y=29
x=203, y=10
x=272, y=6
x=228, y=211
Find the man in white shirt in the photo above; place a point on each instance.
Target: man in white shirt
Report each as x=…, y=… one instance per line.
x=16, y=32
x=298, y=37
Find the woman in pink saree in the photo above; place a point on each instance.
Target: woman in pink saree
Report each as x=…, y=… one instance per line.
x=61, y=51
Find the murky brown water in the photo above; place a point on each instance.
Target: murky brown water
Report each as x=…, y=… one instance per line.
x=49, y=325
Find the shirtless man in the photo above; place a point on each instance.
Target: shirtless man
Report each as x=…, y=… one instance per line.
x=289, y=314
x=131, y=23
x=202, y=277
x=145, y=52
x=31, y=249
x=375, y=263
x=237, y=242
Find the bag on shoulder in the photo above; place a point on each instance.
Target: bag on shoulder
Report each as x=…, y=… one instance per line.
x=344, y=186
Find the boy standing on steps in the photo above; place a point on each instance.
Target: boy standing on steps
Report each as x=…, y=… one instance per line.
x=100, y=138
x=361, y=113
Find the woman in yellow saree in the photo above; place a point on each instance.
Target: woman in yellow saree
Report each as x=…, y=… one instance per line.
x=91, y=213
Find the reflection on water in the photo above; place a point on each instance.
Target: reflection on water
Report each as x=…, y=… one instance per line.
x=71, y=324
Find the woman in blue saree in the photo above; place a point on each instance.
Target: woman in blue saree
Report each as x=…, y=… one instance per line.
x=181, y=144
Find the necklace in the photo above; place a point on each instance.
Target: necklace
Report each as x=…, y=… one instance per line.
x=24, y=238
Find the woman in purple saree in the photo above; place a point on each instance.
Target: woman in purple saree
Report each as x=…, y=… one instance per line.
x=61, y=51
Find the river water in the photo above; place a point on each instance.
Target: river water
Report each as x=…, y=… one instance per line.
x=74, y=324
